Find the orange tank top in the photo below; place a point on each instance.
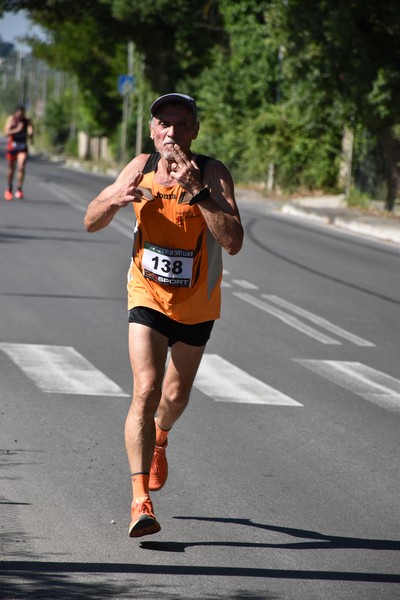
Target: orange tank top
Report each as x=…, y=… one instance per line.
x=176, y=266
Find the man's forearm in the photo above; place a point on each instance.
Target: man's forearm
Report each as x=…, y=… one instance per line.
x=226, y=228
x=99, y=214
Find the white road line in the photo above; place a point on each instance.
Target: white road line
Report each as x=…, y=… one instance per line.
x=324, y=323
x=288, y=319
x=61, y=370
x=245, y=284
x=225, y=382
x=70, y=198
x=65, y=195
x=373, y=385
x=126, y=230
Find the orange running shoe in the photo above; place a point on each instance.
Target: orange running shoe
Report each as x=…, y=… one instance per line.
x=159, y=468
x=19, y=194
x=8, y=195
x=143, y=519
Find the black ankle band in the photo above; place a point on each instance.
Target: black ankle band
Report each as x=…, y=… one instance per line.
x=140, y=473
x=165, y=430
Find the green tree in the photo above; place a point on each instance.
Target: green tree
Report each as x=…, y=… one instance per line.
x=254, y=118
x=351, y=52
x=176, y=39
x=238, y=87
x=57, y=123
x=89, y=38
x=276, y=80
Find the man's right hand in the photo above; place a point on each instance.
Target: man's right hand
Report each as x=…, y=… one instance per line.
x=132, y=192
x=124, y=191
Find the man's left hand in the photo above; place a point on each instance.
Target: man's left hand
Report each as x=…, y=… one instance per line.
x=185, y=171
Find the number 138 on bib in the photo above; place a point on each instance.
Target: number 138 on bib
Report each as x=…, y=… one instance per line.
x=168, y=266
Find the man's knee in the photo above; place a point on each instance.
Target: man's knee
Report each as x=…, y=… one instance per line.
x=176, y=394
x=146, y=398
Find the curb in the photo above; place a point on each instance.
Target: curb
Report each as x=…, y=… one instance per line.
x=376, y=227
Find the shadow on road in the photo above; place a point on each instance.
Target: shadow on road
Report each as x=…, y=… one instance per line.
x=43, y=580
x=39, y=580
x=49, y=580
x=320, y=541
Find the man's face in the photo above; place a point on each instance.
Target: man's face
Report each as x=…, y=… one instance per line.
x=173, y=124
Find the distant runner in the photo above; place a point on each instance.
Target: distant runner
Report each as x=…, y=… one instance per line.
x=18, y=128
x=186, y=213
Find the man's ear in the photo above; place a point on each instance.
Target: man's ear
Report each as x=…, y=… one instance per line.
x=151, y=131
x=196, y=130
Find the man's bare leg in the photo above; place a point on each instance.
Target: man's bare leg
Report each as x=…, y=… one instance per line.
x=10, y=173
x=21, y=158
x=148, y=351
x=178, y=382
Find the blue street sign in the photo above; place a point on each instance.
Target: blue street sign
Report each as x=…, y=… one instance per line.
x=126, y=84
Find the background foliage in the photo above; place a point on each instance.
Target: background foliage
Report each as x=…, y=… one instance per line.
x=277, y=81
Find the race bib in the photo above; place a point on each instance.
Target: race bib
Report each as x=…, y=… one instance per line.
x=168, y=266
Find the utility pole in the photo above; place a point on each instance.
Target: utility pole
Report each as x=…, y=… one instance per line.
x=20, y=77
x=346, y=162
x=139, y=122
x=126, y=104
x=129, y=93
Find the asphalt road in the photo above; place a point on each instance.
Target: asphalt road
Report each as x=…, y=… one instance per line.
x=284, y=480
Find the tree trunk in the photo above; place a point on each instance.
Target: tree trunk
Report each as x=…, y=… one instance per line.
x=389, y=146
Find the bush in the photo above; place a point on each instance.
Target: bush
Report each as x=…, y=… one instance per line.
x=57, y=123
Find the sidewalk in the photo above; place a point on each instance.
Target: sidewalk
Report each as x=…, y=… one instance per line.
x=332, y=210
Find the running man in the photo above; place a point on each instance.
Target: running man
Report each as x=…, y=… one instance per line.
x=18, y=128
x=185, y=214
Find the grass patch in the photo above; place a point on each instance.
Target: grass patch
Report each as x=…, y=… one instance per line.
x=358, y=199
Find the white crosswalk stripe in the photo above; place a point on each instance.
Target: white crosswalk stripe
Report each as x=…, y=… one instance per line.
x=61, y=370
x=225, y=382
x=373, y=385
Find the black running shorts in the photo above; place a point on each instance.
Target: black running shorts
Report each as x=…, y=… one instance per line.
x=193, y=335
